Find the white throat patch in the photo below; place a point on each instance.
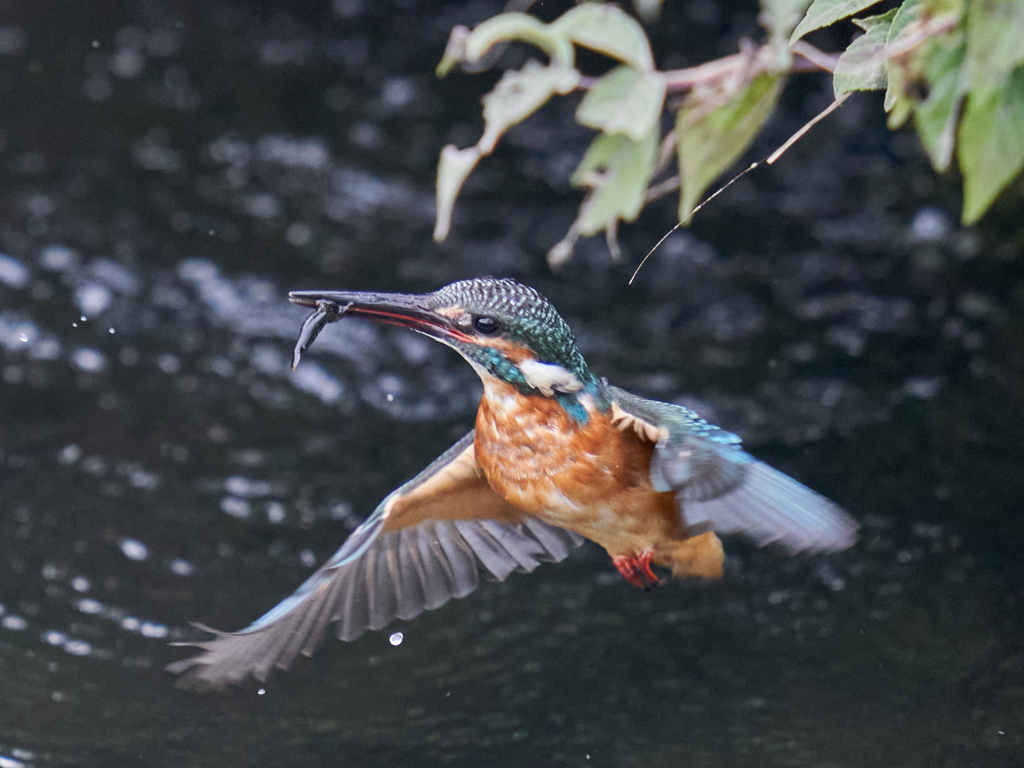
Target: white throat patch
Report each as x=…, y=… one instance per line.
x=549, y=377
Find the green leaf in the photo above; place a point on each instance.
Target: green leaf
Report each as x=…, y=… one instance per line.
x=779, y=17
x=710, y=139
x=927, y=82
x=452, y=169
x=862, y=66
x=995, y=42
x=624, y=101
x=825, y=12
x=897, y=102
x=936, y=116
x=906, y=14
x=620, y=191
x=648, y=10
x=507, y=27
x=609, y=30
x=990, y=145
x=936, y=8
x=454, y=51
x=519, y=94
x=599, y=153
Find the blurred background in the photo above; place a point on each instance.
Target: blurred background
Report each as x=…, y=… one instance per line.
x=172, y=168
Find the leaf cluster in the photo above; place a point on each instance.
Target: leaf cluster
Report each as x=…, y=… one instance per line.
x=955, y=68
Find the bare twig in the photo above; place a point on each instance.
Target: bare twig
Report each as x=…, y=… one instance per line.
x=759, y=60
x=662, y=188
x=666, y=152
x=810, y=124
x=657, y=245
x=707, y=73
x=611, y=236
x=917, y=33
x=669, y=185
x=819, y=59
x=561, y=251
x=707, y=200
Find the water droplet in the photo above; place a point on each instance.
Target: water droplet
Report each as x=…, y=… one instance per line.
x=69, y=454
x=74, y=325
x=14, y=622
x=23, y=338
x=134, y=550
x=110, y=330
x=77, y=647
x=396, y=638
x=261, y=691
x=150, y=629
x=82, y=318
x=88, y=605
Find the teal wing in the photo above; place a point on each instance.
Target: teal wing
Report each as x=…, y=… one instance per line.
x=722, y=488
x=427, y=542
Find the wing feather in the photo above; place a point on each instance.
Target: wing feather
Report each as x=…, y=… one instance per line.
x=401, y=561
x=719, y=487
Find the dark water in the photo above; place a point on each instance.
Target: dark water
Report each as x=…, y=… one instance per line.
x=171, y=169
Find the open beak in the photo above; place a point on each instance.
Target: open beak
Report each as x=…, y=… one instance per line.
x=403, y=310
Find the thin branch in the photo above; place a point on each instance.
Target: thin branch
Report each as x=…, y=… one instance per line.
x=662, y=188
x=561, y=251
x=667, y=186
x=816, y=57
x=810, y=124
x=706, y=200
x=611, y=234
x=911, y=37
x=666, y=152
x=707, y=73
x=808, y=59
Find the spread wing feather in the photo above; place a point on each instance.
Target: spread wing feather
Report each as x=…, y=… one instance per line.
x=385, y=571
x=722, y=488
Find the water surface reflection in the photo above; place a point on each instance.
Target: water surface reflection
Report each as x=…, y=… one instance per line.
x=160, y=464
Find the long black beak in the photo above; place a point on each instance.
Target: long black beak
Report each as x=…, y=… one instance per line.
x=401, y=309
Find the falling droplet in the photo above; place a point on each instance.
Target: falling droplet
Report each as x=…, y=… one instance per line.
x=74, y=325
x=396, y=638
x=83, y=318
x=110, y=330
x=23, y=337
x=261, y=691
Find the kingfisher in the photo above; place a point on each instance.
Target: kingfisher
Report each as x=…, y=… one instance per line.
x=557, y=456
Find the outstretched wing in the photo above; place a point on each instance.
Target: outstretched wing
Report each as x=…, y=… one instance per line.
x=426, y=543
x=721, y=487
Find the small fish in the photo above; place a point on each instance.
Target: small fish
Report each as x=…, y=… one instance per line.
x=326, y=312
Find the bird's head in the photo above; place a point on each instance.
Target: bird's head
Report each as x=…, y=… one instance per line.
x=504, y=329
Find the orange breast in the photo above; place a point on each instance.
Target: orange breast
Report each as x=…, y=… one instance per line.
x=591, y=478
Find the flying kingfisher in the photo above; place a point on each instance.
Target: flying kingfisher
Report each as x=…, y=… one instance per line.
x=557, y=456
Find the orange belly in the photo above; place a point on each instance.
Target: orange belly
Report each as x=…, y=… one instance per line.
x=591, y=478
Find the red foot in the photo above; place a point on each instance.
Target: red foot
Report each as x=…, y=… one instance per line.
x=636, y=569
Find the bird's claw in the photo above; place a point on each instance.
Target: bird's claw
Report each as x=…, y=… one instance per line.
x=636, y=569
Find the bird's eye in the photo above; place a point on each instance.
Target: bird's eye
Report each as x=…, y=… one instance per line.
x=488, y=326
